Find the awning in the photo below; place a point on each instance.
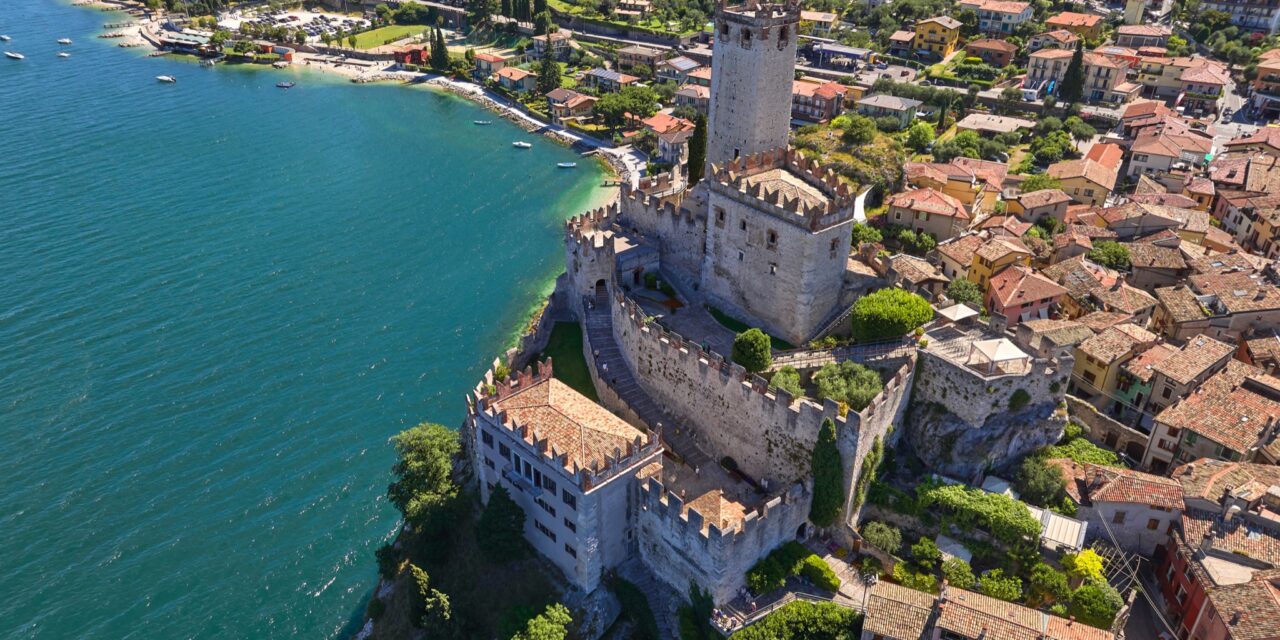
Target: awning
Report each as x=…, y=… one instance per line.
x=998, y=350
x=957, y=312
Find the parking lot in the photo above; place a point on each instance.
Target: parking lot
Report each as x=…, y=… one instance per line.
x=315, y=24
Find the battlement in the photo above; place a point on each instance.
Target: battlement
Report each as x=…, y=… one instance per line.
x=778, y=177
x=637, y=202
x=490, y=390
x=760, y=13
x=583, y=228
x=801, y=411
x=667, y=506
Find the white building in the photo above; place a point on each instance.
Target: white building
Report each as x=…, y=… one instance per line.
x=1131, y=509
x=569, y=463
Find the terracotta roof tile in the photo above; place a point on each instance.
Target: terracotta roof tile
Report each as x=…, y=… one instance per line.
x=574, y=425
x=1198, y=356
x=929, y=201
x=1116, y=342
x=1020, y=285
x=895, y=611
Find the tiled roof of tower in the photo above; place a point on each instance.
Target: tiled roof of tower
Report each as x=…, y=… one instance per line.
x=585, y=431
x=1195, y=357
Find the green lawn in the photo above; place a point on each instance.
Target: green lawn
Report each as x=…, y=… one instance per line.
x=736, y=326
x=565, y=350
x=379, y=36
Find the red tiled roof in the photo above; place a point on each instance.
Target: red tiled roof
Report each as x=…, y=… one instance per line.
x=1072, y=19
x=574, y=425
x=1020, y=285
x=929, y=201
x=1107, y=154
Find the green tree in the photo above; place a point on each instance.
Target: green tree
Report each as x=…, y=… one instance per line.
x=889, y=313
x=1096, y=604
x=1079, y=130
x=1046, y=584
x=501, y=528
x=864, y=234
x=861, y=130
x=552, y=624
x=1039, y=482
x=480, y=12
x=439, y=51
x=1072, y=87
x=640, y=102
x=787, y=379
x=351, y=40
x=1086, y=565
x=1110, y=253
x=1010, y=97
x=423, y=488
x=1039, y=182
x=848, y=383
x=926, y=553
x=920, y=135
x=828, y=477
x=805, y=621
x=958, y=573
x=698, y=150
x=433, y=608
x=548, y=75
x=882, y=536
x=996, y=584
x=543, y=24
x=751, y=350
x=963, y=291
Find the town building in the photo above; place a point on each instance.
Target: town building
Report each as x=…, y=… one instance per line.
x=987, y=125
x=997, y=53
x=1173, y=379
x=488, y=64
x=675, y=69
x=937, y=35
x=516, y=79
x=1034, y=206
x=998, y=16
x=693, y=95
x=883, y=105
x=1131, y=510
x=608, y=81
x=638, y=56
x=1085, y=25
x=1099, y=361
x=994, y=256
x=1265, y=101
x=1173, y=145
x=1018, y=293
x=1056, y=39
x=819, y=23
x=928, y=211
x=817, y=100
x=1087, y=181
x=1143, y=35
x=1252, y=15
x=956, y=254
x=566, y=105
x=977, y=184
x=557, y=43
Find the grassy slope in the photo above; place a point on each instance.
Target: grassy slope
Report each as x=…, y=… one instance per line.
x=565, y=350
x=378, y=37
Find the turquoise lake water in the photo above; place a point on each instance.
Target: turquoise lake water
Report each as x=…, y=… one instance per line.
x=218, y=300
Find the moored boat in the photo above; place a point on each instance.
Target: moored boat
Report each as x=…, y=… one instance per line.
x=64, y=54
x=64, y=40
x=482, y=122
x=519, y=144
x=566, y=165
x=5, y=38
x=14, y=55
x=285, y=85
x=168, y=79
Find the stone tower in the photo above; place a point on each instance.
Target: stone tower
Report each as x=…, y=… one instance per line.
x=751, y=76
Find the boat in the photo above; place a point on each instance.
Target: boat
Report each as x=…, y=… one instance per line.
x=5, y=38
x=14, y=56
x=64, y=40
x=521, y=145
x=64, y=54
x=206, y=63
x=566, y=165
x=286, y=85
x=481, y=122
x=168, y=79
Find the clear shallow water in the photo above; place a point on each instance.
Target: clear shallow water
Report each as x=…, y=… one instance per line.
x=217, y=301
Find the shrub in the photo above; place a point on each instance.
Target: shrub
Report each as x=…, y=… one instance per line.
x=861, y=130
x=1047, y=584
x=1096, y=604
x=1039, y=482
x=882, y=536
x=751, y=350
x=501, y=372
x=889, y=313
x=849, y=382
x=813, y=621
x=867, y=475
x=695, y=617
x=964, y=292
x=819, y=573
x=865, y=234
x=967, y=507
x=1081, y=450
x=1019, y=399
x=500, y=533
x=650, y=280
x=995, y=584
x=828, y=477
x=1110, y=253
x=388, y=561
x=787, y=379
x=907, y=576
x=958, y=573
x=1086, y=565
x=926, y=553
x=773, y=570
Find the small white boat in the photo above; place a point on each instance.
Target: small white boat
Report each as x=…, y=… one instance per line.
x=64, y=54
x=14, y=56
x=481, y=122
x=521, y=145
x=566, y=165
x=5, y=38
x=64, y=40
x=168, y=79
x=285, y=85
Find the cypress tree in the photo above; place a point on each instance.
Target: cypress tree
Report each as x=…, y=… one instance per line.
x=698, y=150
x=828, y=477
x=548, y=75
x=539, y=6
x=506, y=8
x=1072, y=88
x=439, y=51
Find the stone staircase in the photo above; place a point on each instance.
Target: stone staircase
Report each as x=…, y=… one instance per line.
x=663, y=600
x=677, y=437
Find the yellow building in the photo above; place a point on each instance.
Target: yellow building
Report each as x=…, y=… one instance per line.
x=1100, y=359
x=975, y=183
x=994, y=256
x=939, y=35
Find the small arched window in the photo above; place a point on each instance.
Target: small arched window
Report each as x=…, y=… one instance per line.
x=724, y=29
x=784, y=34
x=746, y=37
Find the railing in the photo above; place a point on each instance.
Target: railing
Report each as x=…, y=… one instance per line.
x=742, y=620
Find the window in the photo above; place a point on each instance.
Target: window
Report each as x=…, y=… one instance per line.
x=570, y=550
x=719, y=217
x=504, y=451
x=568, y=524
x=742, y=225
x=1191, y=437
x=1088, y=192
x=741, y=256
x=569, y=499
x=1140, y=157
x=772, y=239
x=486, y=438
x=1153, y=524
x=746, y=38
x=724, y=29
x=544, y=530
x=546, y=507
x=1118, y=518
x=835, y=244
x=489, y=463
x=773, y=268
x=549, y=484
x=1168, y=391
x=783, y=36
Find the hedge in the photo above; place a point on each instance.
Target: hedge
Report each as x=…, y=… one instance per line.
x=1001, y=516
x=819, y=573
x=790, y=559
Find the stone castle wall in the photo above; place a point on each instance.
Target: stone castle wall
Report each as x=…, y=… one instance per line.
x=679, y=234
x=681, y=548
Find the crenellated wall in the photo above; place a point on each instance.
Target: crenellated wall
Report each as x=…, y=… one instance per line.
x=679, y=233
x=768, y=433
x=681, y=548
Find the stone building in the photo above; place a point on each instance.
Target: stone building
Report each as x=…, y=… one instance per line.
x=1132, y=510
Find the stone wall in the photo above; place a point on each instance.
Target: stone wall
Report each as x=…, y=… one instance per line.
x=679, y=233
x=961, y=423
x=751, y=78
x=681, y=548
x=769, y=434
x=1105, y=432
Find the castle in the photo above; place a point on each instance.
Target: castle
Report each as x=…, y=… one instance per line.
x=698, y=468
